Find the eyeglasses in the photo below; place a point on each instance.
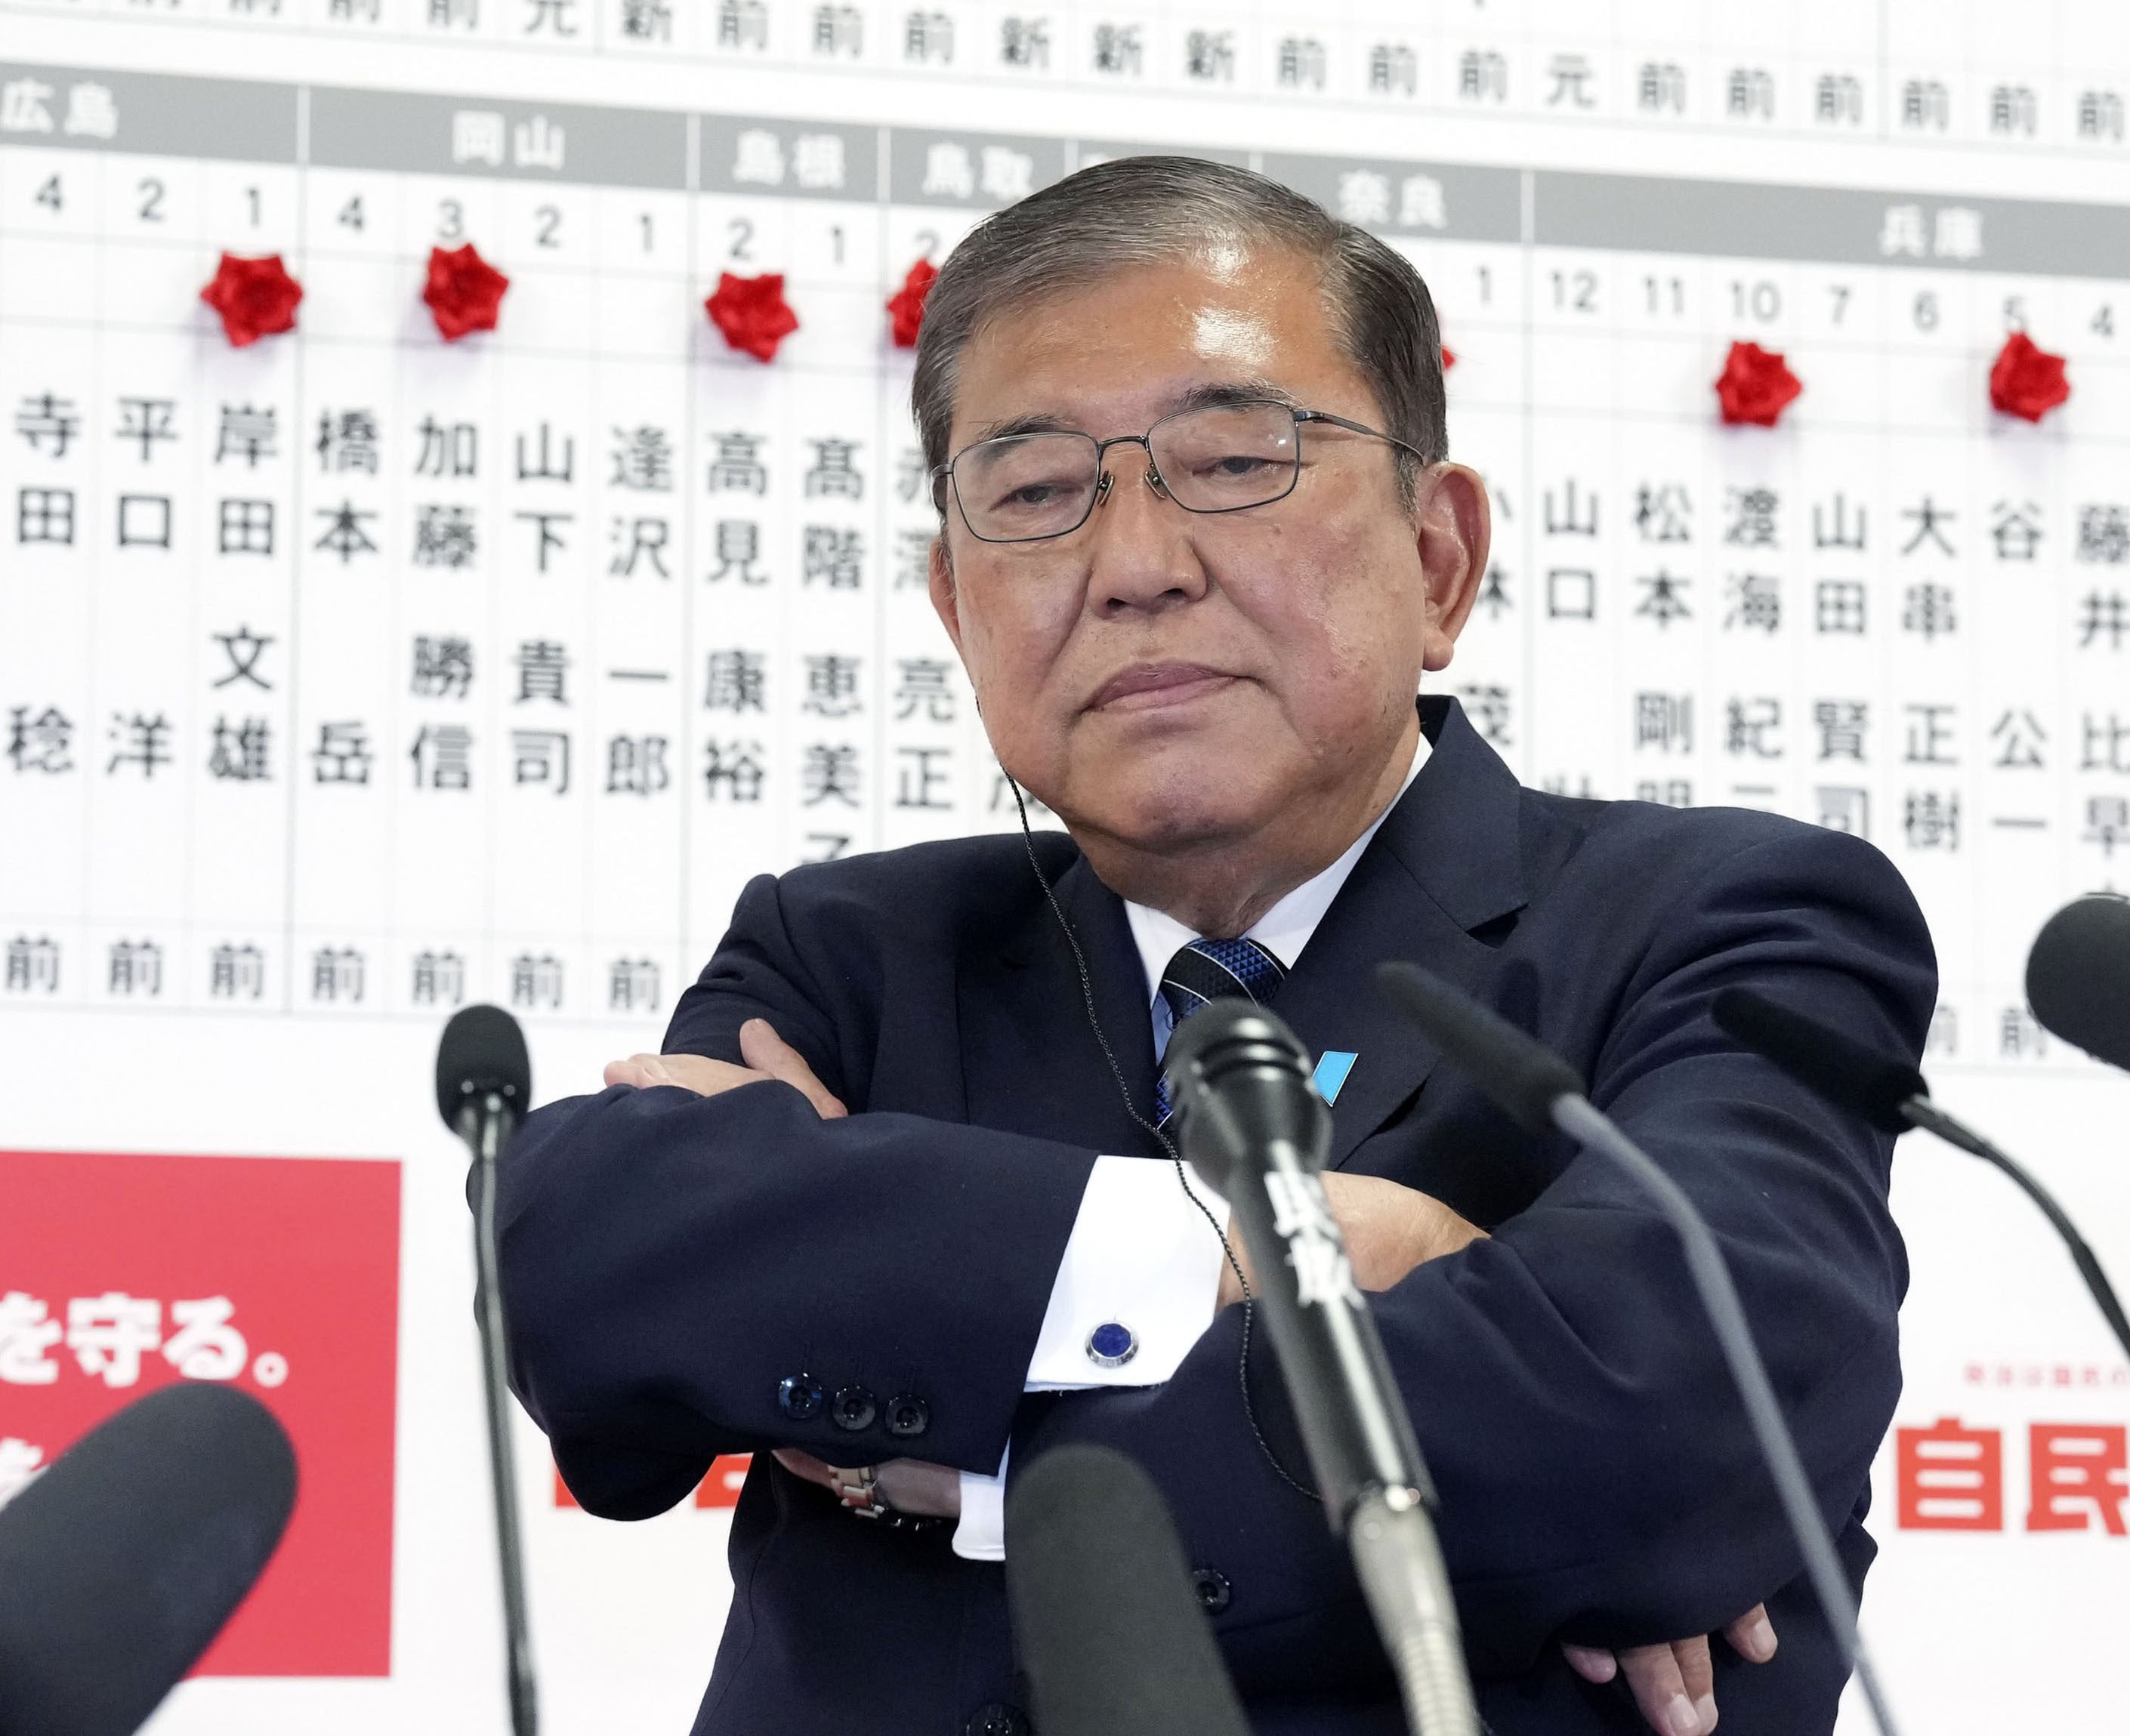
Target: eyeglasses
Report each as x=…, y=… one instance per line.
x=1219, y=458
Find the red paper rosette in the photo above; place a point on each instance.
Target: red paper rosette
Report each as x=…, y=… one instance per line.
x=2026, y=380
x=905, y=307
x=1755, y=386
x=752, y=313
x=254, y=298
x=464, y=292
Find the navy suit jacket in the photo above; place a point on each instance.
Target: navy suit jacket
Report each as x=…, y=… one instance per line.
x=682, y=1273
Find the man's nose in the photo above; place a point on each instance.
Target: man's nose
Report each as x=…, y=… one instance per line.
x=1143, y=555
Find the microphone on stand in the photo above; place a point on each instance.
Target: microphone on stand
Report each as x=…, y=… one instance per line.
x=1104, y=1613
x=120, y=1564
x=2078, y=976
x=1541, y=1091
x=1256, y=1128
x=1892, y=1097
x=484, y=1084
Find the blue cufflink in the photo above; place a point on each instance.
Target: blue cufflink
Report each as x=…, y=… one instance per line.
x=1111, y=1345
x=1331, y=1071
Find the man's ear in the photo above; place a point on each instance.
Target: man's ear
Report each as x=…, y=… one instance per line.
x=946, y=600
x=1455, y=527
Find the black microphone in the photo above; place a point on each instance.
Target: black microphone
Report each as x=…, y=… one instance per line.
x=120, y=1564
x=484, y=1084
x=1104, y=1615
x=1257, y=1129
x=1541, y=1090
x=1892, y=1097
x=2078, y=976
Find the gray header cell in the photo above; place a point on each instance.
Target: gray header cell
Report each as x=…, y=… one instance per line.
x=76, y=110
x=401, y=132
x=1455, y=202
x=1831, y=225
x=978, y=171
x=798, y=158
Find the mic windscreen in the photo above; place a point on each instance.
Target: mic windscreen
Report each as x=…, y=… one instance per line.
x=121, y=1562
x=2078, y=976
x=482, y=1050
x=1104, y=1612
x=1523, y=1078
x=1870, y=1085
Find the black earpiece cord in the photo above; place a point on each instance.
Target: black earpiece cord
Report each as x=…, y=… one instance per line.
x=1124, y=1090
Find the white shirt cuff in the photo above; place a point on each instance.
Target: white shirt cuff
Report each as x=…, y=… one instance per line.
x=1142, y=1257
x=981, y=1535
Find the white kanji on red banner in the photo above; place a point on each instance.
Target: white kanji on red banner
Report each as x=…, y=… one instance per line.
x=108, y=1333
x=27, y=1334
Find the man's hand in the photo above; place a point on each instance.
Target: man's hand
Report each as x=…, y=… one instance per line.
x=1675, y=1685
x=908, y=1486
x=767, y=1055
x=1389, y=1230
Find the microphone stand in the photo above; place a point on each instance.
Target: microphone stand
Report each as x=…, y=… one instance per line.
x=1575, y=1115
x=484, y=1124
x=1922, y=1113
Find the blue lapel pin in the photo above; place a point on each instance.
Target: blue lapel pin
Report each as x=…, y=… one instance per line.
x=1331, y=1071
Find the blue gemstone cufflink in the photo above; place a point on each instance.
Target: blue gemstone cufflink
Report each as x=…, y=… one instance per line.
x=1111, y=1345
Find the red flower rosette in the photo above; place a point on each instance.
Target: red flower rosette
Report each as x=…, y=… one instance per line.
x=752, y=312
x=1755, y=386
x=905, y=307
x=255, y=297
x=464, y=292
x=2026, y=380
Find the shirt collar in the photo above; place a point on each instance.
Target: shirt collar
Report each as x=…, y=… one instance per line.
x=1283, y=931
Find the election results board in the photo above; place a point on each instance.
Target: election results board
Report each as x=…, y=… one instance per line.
x=353, y=675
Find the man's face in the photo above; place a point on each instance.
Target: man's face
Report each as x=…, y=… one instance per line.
x=1168, y=678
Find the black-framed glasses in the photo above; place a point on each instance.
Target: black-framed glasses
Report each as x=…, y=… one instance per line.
x=1217, y=458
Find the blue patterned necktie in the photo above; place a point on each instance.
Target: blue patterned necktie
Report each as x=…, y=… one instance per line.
x=1207, y=971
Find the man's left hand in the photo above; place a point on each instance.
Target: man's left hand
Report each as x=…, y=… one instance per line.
x=766, y=1056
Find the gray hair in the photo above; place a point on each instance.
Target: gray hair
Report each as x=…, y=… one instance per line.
x=1143, y=211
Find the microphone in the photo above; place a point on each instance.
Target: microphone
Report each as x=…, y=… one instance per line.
x=1104, y=1613
x=1541, y=1091
x=120, y=1564
x=484, y=1084
x=2078, y=976
x=1256, y=1128
x=1892, y=1097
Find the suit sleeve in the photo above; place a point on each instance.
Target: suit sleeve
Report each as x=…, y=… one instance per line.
x=1598, y=1476
x=669, y=1261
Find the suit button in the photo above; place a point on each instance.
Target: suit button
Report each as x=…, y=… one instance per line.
x=800, y=1397
x=1215, y=1594
x=997, y=1720
x=908, y=1417
x=854, y=1408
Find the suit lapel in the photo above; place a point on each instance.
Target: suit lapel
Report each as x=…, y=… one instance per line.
x=1445, y=863
x=1030, y=1063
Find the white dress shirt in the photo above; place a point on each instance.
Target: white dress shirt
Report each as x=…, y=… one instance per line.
x=1141, y=1253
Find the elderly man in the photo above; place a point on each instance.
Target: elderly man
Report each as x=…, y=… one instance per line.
x=893, y=1209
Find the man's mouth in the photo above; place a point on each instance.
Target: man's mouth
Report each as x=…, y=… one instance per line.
x=1148, y=686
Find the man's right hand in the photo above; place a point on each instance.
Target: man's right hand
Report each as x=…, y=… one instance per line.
x=1389, y=1230
x=1675, y=1685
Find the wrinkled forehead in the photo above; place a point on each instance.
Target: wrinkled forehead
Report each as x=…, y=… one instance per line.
x=1152, y=335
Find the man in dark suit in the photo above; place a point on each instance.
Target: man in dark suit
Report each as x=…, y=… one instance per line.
x=883, y=1211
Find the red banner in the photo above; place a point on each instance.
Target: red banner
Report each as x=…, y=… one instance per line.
x=281, y=1276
